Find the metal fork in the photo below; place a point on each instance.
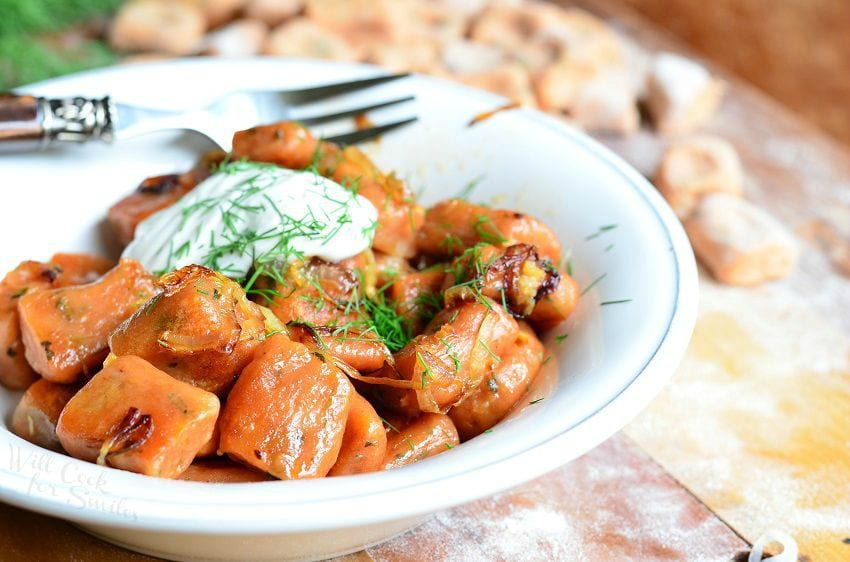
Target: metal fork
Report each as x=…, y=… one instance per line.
x=34, y=123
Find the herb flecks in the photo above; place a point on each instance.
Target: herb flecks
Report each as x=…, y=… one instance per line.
x=602, y=230
x=592, y=284
x=620, y=301
x=470, y=187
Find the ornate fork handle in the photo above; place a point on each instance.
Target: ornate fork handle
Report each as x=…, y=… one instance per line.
x=28, y=122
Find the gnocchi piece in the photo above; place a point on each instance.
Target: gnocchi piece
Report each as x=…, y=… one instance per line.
x=201, y=329
x=287, y=412
x=510, y=80
x=582, y=36
x=174, y=28
x=134, y=417
x=556, y=306
x=273, y=12
x=390, y=268
x=242, y=38
x=454, y=225
x=417, y=295
x=63, y=270
x=38, y=411
x=157, y=193
x=303, y=37
x=218, y=12
x=595, y=98
x=315, y=293
x=363, y=351
x=448, y=362
x=66, y=330
x=502, y=388
x=467, y=57
x=514, y=277
x=359, y=21
x=694, y=167
x=221, y=471
x=511, y=26
x=399, y=216
x=414, y=55
x=423, y=437
x=152, y=195
x=364, y=443
x=286, y=144
x=739, y=243
x=210, y=448
x=681, y=95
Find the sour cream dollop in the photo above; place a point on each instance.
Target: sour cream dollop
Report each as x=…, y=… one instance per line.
x=249, y=213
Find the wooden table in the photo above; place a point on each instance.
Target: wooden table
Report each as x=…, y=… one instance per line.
x=752, y=434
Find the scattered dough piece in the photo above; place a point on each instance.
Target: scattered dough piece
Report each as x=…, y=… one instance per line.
x=218, y=12
x=156, y=25
x=429, y=19
x=512, y=25
x=242, y=38
x=273, y=12
x=740, y=243
x=608, y=104
x=466, y=8
x=302, y=37
x=681, y=95
x=558, y=86
x=360, y=22
x=140, y=58
x=582, y=36
x=694, y=167
x=597, y=98
x=466, y=57
x=509, y=80
x=414, y=55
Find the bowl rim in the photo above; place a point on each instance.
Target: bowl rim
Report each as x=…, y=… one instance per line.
x=268, y=514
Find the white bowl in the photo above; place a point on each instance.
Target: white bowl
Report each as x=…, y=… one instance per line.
x=617, y=356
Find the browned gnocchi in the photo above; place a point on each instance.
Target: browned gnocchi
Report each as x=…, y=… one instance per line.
x=286, y=311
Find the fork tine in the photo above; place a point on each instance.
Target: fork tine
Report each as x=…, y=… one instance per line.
x=329, y=90
x=363, y=135
x=318, y=119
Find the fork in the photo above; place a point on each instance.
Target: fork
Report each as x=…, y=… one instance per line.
x=33, y=123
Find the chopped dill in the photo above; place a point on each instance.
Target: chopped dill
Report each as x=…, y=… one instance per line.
x=470, y=187
x=489, y=351
x=592, y=284
x=426, y=370
x=389, y=425
x=536, y=400
x=487, y=231
x=602, y=230
x=605, y=303
x=560, y=339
